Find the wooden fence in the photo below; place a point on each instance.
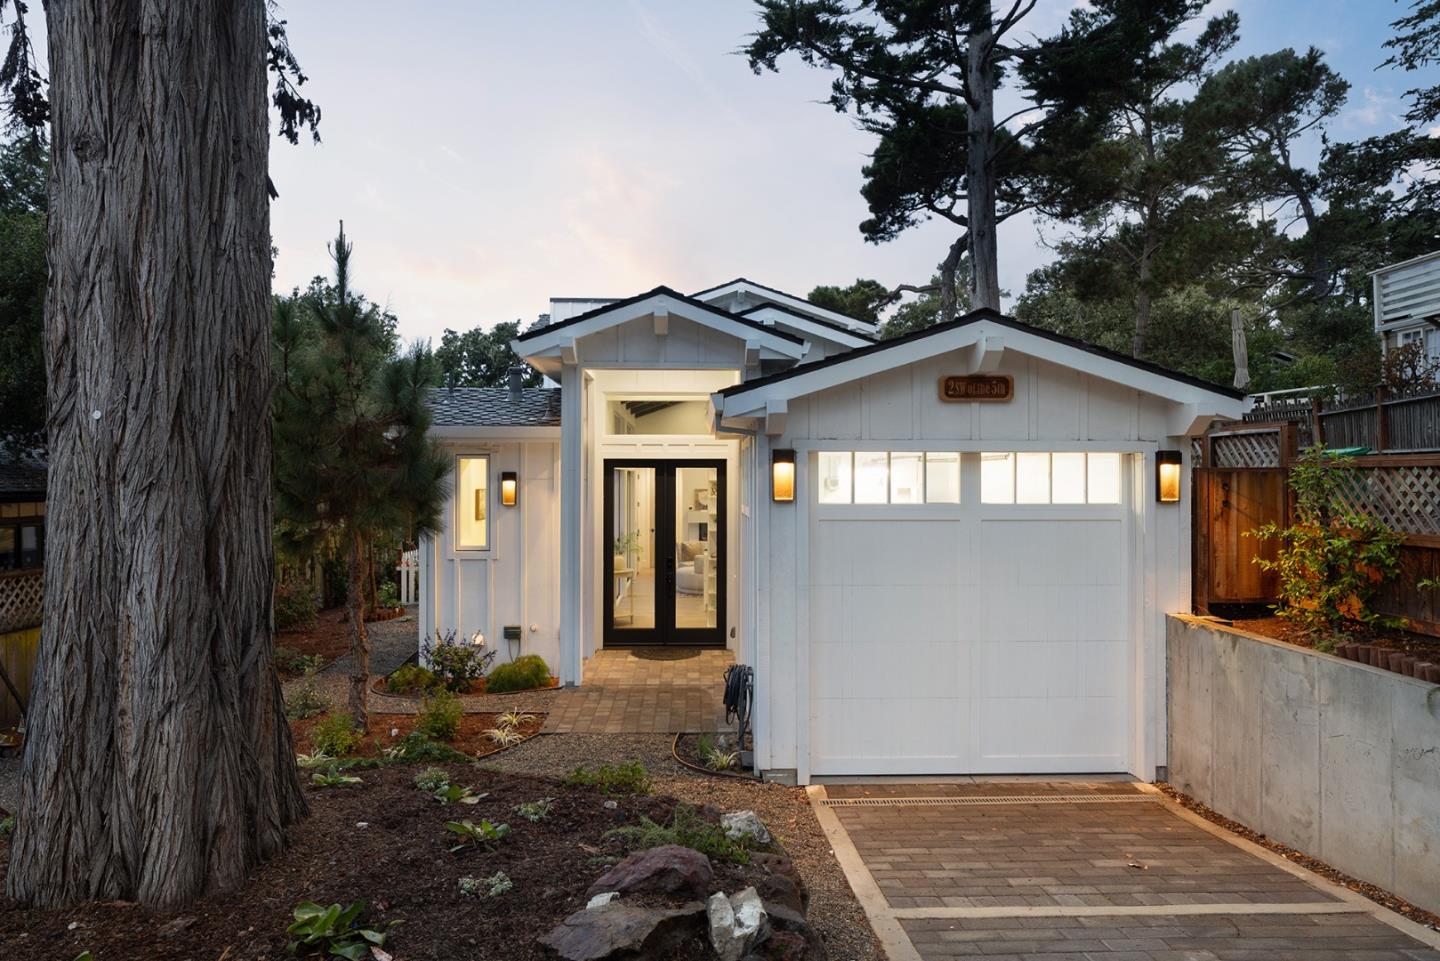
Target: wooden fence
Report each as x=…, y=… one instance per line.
x=409, y=571
x=1241, y=473
x=1387, y=421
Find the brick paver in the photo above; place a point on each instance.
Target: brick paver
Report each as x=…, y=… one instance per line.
x=624, y=693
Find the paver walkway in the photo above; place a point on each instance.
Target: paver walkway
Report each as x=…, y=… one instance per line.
x=1086, y=872
x=630, y=692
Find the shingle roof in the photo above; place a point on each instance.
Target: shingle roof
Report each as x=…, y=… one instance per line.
x=21, y=477
x=493, y=407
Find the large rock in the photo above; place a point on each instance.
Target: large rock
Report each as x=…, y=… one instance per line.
x=668, y=869
x=779, y=882
x=737, y=923
x=619, y=930
x=745, y=826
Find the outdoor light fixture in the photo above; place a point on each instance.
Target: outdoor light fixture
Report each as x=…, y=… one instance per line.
x=1167, y=476
x=509, y=488
x=782, y=476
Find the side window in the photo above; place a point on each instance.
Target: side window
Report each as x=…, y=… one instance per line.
x=472, y=503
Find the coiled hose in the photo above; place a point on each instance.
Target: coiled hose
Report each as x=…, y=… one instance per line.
x=739, y=697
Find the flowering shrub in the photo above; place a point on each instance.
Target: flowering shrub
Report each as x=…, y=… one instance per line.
x=457, y=665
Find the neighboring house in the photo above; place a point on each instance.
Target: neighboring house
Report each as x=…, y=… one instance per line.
x=941, y=554
x=22, y=556
x=1407, y=304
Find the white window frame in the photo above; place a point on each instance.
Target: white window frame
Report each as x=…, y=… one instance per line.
x=459, y=497
x=887, y=503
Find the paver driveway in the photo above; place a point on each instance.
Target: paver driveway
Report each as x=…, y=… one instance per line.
x=1096, y=872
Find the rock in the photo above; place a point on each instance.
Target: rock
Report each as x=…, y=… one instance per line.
x=600, y=900
x=618, y=929
x=745, y=825
x=781, y=946
x=783, y=918
x=737, y=923
x=668, y=869
x=610, y=805
x=780, y=882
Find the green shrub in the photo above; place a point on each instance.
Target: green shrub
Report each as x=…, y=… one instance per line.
x=7, y=825
x=440, y=716
x=306, y=702
x=336, y=735
x=687, y=829
x=628, y=778
x=715, y=757
x=413, y=679
x=294, y=604
x=432, y=779
x=333, y=779
x=522, y=674
x=491, y=887
x=483, y=835
x=388, y=594
x=456, y=665
x=415, y=748
x=334, y=931
x=290, y=661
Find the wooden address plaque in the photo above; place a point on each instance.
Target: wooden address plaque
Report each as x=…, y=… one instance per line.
x=977, y=387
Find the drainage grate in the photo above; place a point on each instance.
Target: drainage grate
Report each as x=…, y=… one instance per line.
x=877, y=802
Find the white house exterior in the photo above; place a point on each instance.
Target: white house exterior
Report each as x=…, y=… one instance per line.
x=1407, y=304
x=971, y=575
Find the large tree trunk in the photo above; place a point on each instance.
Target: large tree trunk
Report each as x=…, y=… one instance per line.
x=359, y=637
x=158, y=764
x=979, y=170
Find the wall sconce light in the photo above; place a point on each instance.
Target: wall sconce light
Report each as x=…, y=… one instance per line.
x=782, y=476
x=509, y=488
x=1167, y=476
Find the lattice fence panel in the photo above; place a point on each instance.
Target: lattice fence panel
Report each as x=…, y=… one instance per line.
x=1405, y=498
x=1246, y=449
x=20, y=601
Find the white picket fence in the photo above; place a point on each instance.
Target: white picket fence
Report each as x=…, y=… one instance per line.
x=409, y=571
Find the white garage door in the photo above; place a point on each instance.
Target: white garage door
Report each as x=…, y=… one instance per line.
x=985, y=636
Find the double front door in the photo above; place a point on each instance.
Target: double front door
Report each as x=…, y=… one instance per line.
x=664, y=552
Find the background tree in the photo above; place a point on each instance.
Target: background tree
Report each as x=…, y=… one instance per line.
x=158, y=764
x=870, y=300
x=22, y=294
x=1417, y=45
x=483, y=358
x=352, y=460
x=863, y=300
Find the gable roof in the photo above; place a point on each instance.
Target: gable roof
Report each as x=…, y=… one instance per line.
x=942, y=338
x=864, y=338
x=22, y=477
x=495, y=407
x=617, y=305
x=795, y=302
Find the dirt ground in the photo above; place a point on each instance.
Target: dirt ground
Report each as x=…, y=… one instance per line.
x=1417, y=645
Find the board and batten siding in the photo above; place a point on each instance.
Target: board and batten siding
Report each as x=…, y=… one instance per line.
x=1054, y=408
x=517, y=580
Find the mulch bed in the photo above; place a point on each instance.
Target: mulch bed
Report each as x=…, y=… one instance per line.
x=329, y=637
x=387, y=729
x=1379, y=895
x=399, y=863
x=381, y=685
x=1418, y=646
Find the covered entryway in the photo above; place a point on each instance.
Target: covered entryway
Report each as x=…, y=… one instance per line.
x=968, y=612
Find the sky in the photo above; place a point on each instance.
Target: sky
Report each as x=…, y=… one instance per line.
x=486, y=155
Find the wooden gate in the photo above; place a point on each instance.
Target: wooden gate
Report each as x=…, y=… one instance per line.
x=1240, y=484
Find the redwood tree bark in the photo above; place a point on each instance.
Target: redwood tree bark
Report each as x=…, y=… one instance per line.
x=158, y=764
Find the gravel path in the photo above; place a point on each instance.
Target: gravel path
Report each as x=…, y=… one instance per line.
x=785, y=810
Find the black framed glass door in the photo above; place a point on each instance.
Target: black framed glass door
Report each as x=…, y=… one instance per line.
x=664, y=552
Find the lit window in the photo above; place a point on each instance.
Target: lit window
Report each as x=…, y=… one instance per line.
x=1067, y=478
x=1104, y=478
x=907, y=478
x=871, y=482
x=472, y=503
x=1032, y=478
x=942, y=477
x=997, y=478
x=835, y=477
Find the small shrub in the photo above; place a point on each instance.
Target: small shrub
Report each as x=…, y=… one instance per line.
x=388, y=594
x=336, y=735
x=440, y=716
x=483, y=835
x=628, y=778
x=290, y=661
x=334, y=931
x=491, y=887
x=333, y=779
x=687, y=829
x=294, y=604
x=415, y=748
x=306, y=702
x=432, y=779
x=457, y=665
x=458, y=794
x=535, y=810
x=505, y=736
x=7, y=824
x=715, y=757
x=514, y=719
x=413, y=679
x=317, y=759
x=522, y=674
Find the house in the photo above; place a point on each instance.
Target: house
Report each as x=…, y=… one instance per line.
x=22, y=557
x=945, y=553
x=1407, y=304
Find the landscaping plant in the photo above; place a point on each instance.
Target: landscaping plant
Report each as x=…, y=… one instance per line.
x=457, y=794
x=440, y=716
x=333, y=779
x=415, y=747
x=687, y=829
x=483, y=835
x=456, y=665
x=413, y=679
x=290, y=661
x=628, y=778
x=332, y=931
x=522, y=674
x=1332, y=558
x=294, y=605
x=388, y=594
x=432, y=779
x=493, y=886
x=306, y=702
x=317, y=759
x=715, y=757
x=505, y=736
x=336, y=736
x=535, y=810
x=514, y=719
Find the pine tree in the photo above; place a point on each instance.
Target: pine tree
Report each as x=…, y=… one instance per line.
x=352, y=460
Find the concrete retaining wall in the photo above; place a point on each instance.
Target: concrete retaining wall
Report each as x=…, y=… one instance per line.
x=1337, y=759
